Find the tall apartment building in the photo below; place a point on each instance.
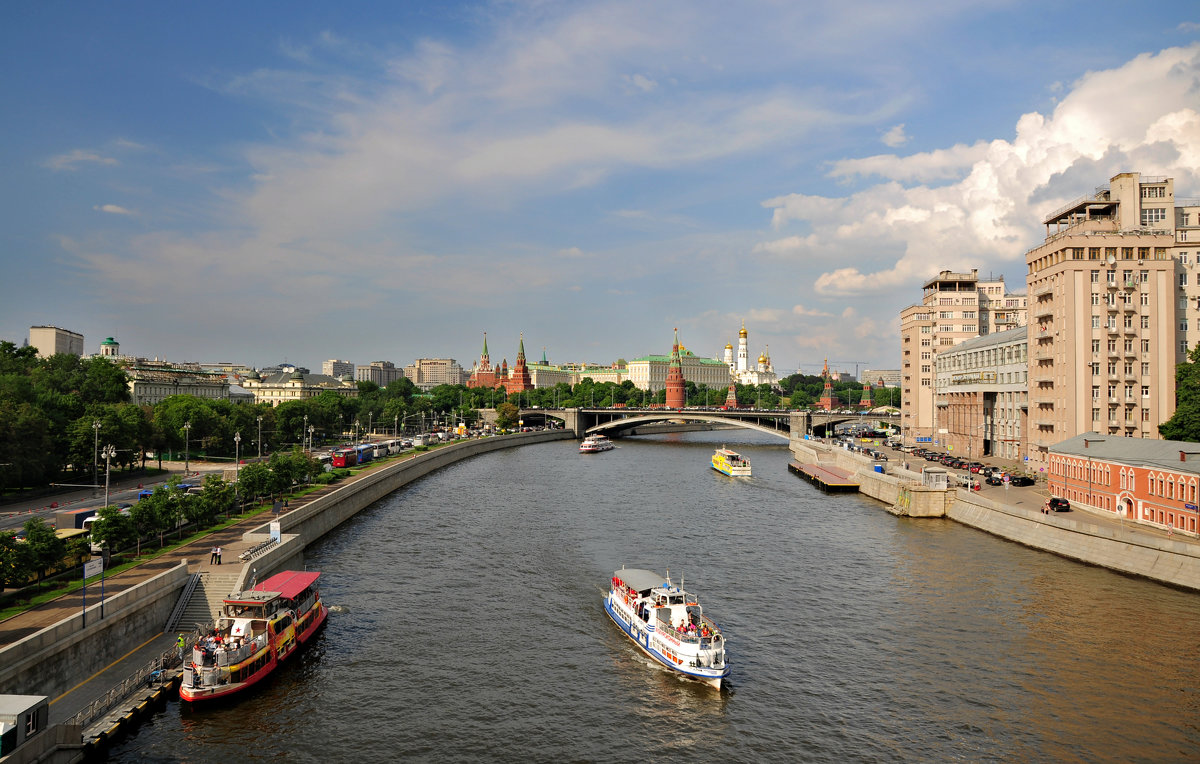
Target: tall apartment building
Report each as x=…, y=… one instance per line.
x=955, y=307
x=335, y=368
x=1114, y=307
x=981, y=393
x=428, y=373
x=51, y=340
x=382, y=373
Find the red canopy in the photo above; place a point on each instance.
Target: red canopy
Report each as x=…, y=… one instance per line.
x=290, y=584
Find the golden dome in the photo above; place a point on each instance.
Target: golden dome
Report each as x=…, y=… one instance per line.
x=729, y=346
x=742, y=333
x=762, y=359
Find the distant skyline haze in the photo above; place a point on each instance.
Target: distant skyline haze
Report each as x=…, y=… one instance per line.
x=387, y=181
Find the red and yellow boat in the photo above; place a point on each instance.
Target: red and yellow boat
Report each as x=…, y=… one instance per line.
x=257, y=631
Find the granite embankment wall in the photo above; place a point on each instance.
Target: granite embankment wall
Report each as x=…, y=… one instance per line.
x=55, y=659
x=1122, y=548
x=1127, y=549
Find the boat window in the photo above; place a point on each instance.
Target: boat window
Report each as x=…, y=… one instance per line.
x=676, y=599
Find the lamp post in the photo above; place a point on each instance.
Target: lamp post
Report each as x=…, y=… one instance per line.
x=237, y=467
x=311, y=429
x=370, y=424
x=396, y=426
x=260, y=439
x=356, y=425
x=110, y=451
x=187, y=432
x=96, y=453
x=304, y=429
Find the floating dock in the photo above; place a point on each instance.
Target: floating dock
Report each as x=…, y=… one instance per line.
x=829, y=479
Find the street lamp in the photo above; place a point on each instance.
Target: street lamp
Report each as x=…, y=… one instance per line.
x=110, y=451
x=396, y=426
x=96, y=452
x=260, y=439
x=303, y=429
x=370, y=424
x=237, y=465
x=311, y=428
x=187, y=432
x=356, y=425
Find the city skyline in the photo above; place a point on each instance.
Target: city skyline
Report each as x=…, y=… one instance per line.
x=389, y=182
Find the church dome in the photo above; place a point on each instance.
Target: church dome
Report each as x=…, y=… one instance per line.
x=742, y=333
x=296, y=375
x=729, y=346
x=762, y=359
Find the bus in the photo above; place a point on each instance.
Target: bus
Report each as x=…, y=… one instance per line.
x=366, y=452
x=344, y=457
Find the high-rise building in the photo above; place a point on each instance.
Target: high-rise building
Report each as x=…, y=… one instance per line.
x=51, y=340
x=335, y=368
x=981, y=391
x=1114, y=306
x=428, y=373
x=382, y=373
x=955, y=307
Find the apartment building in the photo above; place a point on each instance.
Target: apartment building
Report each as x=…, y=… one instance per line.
x=337, y=368
x=955, y=307
x=428, y=373
x=382, y=373
x=52, y=340
x=1114, y=307
x=981, y=393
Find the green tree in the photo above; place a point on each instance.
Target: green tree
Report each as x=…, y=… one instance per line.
x=16, y=560
x=506, y=416
x=113, y=529
x=1184, y=424
x=45, y=548
x=254, y=481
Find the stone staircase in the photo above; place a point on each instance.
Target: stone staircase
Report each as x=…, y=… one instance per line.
x=206, y=600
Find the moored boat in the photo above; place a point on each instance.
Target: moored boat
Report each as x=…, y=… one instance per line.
x=667, y=623
x=594, y=444
x=730, y=463
x=256, y=632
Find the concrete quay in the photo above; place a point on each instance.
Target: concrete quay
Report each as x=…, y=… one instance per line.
x=50, y=650
x=1085, y=534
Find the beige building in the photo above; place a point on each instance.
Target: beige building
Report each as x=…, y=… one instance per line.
x=335, y=368
x=51, y=340
x=1113, y=308
x=152, y=381
x=981, y=394
x=382, y=373
x=955, y=307
x=295, y=386
x=889, y=377
x=428, y=373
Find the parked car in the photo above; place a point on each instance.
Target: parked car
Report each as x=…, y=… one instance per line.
x=1058, y=504
x=994, y=479
x=1021, y=480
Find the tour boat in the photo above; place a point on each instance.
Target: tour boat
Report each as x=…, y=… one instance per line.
x=730, y=463
x=667, y=624
x=256, y=631
x=594, y=444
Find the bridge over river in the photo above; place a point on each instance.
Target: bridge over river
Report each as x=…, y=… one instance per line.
x=784, y=423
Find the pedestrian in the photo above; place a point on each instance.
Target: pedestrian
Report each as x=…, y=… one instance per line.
x=218, y=555
x=1170, y=528
x=180, y=644
x=212, y=556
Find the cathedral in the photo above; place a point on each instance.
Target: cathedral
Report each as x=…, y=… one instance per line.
x=740, y=369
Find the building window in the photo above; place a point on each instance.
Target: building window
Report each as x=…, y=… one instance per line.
x=1145, y=369
x=1183, y=324
x=1183, y=279
x=1145, y=346
x=1145, y=322
x=1095, y=322
x=1096, y=415
x=1154, y=192
x=1183, y=348
x=1095, y=298
x=1095, y=277
x=1145, y=391
x=1095, y=346
x=1095, y=392
x=1153, y=215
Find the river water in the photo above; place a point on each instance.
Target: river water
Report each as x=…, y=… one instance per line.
x=468, y=626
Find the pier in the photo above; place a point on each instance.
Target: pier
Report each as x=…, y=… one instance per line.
x=830, y=479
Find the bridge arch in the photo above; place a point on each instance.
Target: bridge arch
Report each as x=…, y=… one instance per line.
x=629, y=423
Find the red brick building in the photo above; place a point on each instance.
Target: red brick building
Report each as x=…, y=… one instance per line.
x=1155, y=482
x=519, y=380
x=676, y=390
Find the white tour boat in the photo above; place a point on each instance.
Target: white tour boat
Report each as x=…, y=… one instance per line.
x=730, y=463
x=594, y=444
x=667, y=624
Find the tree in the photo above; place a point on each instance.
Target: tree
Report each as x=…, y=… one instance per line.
x=1184, y=424
x=16, y=562
x=45, y=548
x=254, y=480
x=506, y=415
x=113, y=529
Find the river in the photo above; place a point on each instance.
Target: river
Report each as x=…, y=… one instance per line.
x=468, y=626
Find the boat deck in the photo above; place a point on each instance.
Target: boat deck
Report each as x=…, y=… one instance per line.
x=832, y=479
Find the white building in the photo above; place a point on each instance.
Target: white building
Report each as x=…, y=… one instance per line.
x=51, y=340
x=743, y=372
x=335, y=368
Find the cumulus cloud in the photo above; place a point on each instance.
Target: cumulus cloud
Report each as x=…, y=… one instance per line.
x=112, y=209
x=570, y=252
x=906, y=229
x=800, y=310
x=73, y=159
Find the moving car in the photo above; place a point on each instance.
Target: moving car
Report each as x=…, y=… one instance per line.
x=1057, y=504
x=1021, y=480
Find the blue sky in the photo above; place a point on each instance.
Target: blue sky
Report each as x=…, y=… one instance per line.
x=258, y=182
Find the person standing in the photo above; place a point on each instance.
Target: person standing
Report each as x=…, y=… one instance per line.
x=218, y=555
x=212, y=556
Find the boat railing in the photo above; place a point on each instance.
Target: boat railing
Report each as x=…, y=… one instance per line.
x=693, y=638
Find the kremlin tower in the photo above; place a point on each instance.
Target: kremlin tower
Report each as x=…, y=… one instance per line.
x=865, y=401
x=676, y=398
x=484, y=375
x=826, y=394
x=519, y=380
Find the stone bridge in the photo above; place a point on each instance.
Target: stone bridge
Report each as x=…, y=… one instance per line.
x=779, y=422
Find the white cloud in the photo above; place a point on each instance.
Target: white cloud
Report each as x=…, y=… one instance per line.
x=570, y=252
x=990, y=215
x=112, y=209
x=895, y=137
x=800, y=310
x=641, y=82
x=72, y=159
